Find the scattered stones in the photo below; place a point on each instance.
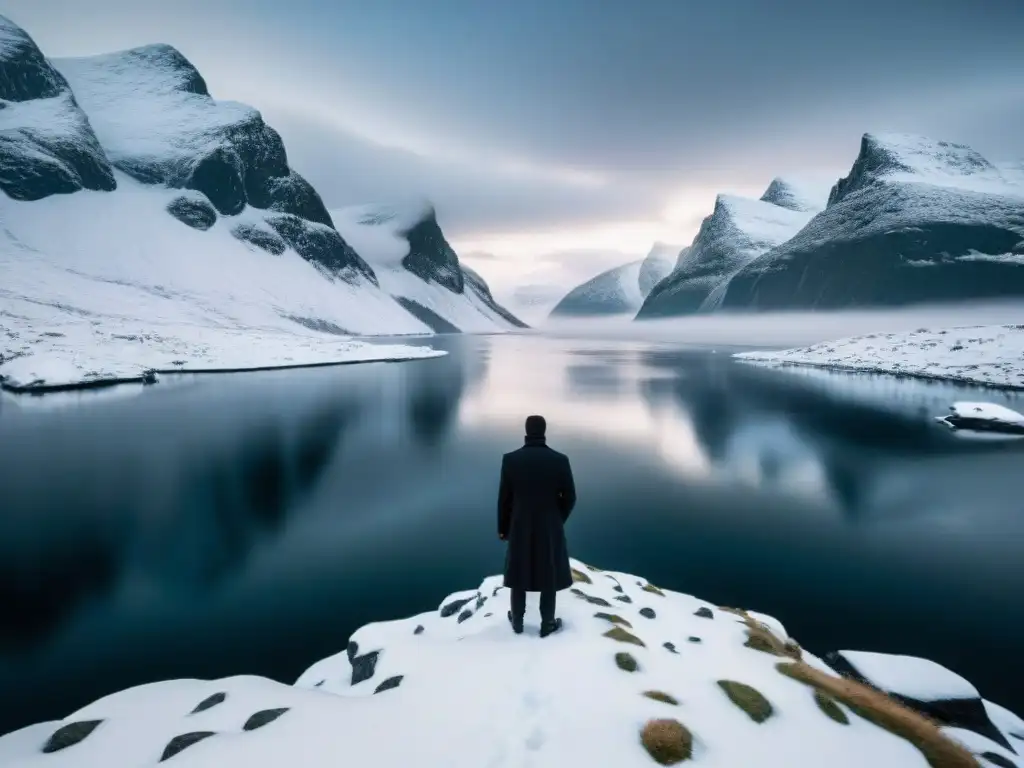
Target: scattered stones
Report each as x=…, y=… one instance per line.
x=614, y=618
x=593, y=600
x=622, y=636
x=480, y=600
x=647, y=613
x=828, y=705
x=391, y=682
x=581, y=577
x=418, y=630
x=669, y=647
x=662, y=697
x=320, y=683
x=263, y=239
x=652, y=589
x=625, y=598
x=757, y=707
x=198, y=214
x=454, y=607
x=69, y=735
x=667, y=741
x=694, y=639
x=363, y=666
x=626, y=662
x=618, y=588
x=465, y=615
x=261, y=718
x=486, y=615
x=184, y=740
x=704, y=612
x=210, y=701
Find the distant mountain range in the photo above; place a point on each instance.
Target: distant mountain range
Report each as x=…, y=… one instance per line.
x=915, y=221
x=135, y=199
x=621, y=289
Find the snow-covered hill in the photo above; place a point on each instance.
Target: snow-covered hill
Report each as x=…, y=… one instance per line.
x=737, y=231
x=415, y=264
x=146, y=226
x=638, y=676
x=620, y=290
x=915, y=221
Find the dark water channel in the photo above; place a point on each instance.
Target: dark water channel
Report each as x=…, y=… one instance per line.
x=248, y=523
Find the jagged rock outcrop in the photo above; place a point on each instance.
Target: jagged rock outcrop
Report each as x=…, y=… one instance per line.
x=914, y=221
x=47, y=145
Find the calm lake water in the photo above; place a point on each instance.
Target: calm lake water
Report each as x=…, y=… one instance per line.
x=248, y=523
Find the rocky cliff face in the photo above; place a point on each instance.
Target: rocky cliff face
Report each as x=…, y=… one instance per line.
x=914, y=221
x=430, y=256
x=47, y=145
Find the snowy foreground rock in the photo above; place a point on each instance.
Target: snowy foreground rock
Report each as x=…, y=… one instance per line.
x=992, y=355
x=638, y=676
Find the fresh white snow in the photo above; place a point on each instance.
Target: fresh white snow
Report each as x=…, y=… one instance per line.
x=987, y=412
x=376, y=234
x=910, y=676
x=455, y=687
x=991, y=354
x=100, y=285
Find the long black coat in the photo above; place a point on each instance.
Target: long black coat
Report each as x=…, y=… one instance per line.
x=535, y=497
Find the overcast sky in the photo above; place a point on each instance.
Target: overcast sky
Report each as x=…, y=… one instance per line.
x=559, y=137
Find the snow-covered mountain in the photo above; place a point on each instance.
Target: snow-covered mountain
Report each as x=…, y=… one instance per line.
x=414, y=263
x=146, y=226
x=737, y=231
x=638, y=676
x=620, y=290
x=916, y=220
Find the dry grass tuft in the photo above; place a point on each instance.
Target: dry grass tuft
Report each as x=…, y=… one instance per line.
x=626, y=662
x=667, y=741
x=737, y=611
x=760, y=638
x=614, y=618
x=750, y=700
x=592, y=599
x=662, y=697
x=618, y=633
x=652, y=589
x=885, y=712
x=593, y=568
x=828, y=705
x=581, y=576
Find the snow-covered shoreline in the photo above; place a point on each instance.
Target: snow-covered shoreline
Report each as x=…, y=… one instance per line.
x=637, y=676
x=986, y=355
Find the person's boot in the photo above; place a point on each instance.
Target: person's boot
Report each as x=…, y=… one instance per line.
x=550, y=627
x=517, y=625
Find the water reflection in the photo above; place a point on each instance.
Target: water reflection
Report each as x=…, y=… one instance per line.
x=247, y=523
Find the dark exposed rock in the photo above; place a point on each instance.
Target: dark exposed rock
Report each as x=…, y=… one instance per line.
x=321, y=245
x=270, y=242
x=320, y=683
x=669, y=647
x=693, y=639
x=430, y=256
x=704, y=612
x=183, y=741
x=454, y=606
x=966, y=713
x=418, y=630
x=211, y=701
x=475, y=282
x=618, y=588
x=465, y=615
x=364, y=666
x=647, y=613
x=261, y=718
x=41, y=157
x=750, y=700
x=480, y=600
x=624, y=598
x=389, y=683
x=69, y=735
x=316, y=324
x=626, y=662
x=197, y=214
x=592, y=599
x=427, y=316
x=997, y=759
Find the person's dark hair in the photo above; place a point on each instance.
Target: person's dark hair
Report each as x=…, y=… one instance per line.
x=535, y=426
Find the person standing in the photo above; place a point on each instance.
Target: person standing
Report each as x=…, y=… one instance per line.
x=536, y=494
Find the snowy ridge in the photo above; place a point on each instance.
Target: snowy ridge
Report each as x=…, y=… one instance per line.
x=737, y=231
x=656, y=266
x=797, y=196
x=637, y=676
x=383, y=236
x=987, y=355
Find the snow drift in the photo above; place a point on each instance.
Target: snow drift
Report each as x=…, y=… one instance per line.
x=737, y=231
x=915, y=221
x=620, y=290
x=637, y=676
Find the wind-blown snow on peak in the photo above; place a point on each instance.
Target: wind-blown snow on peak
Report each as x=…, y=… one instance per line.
x=656, y=265
x=414, y=262
x=637, y=676
x=789, y=194
x=910, y=158
x=47, y=145
x=737, y=231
